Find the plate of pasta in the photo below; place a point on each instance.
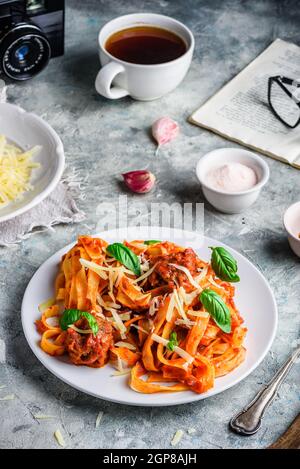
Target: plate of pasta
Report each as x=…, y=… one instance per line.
x=149, y=320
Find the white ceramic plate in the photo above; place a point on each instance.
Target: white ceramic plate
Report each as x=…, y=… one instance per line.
x=27, y=130
x=254, y=298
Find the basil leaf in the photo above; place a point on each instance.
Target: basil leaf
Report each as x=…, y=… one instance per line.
x=124, y=255
x=152, y=241
x=172, y=341
x=216, y=307
x=92, y=322
x=224, y=264
x=70, y=316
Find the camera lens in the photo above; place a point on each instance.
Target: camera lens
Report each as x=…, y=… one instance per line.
x=24, y=52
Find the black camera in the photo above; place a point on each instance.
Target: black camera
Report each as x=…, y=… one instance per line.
x=31, y=32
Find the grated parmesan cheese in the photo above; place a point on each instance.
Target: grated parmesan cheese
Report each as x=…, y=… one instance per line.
x=125, y=345
x=211, y=280
x=53, y=322
x=177, y=437
x=182, y=353
x=112, y=296
x=120, y=368
x=171, y=307
x=98, y=419
x=184, y=322
x=8, y=397
x=153, y=308
x=119, y=364
x=113, y=305
x=188, y=298
x=99, y=313
x=146, y=274
x=59, y=438
x=187, y=273
x=43, y=417
x=123, y=316
x=202, y=274
x=125, y=371
x=191, y=431
x=144, y=265
x=16, y=167
x=118, y=321
x=101, y=269
x=139, y=328
x=179, y=305
x=81, y=331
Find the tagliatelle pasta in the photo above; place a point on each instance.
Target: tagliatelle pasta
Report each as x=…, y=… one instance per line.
x=153, y=327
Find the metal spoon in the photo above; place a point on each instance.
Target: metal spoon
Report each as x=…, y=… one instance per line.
x=248, y=421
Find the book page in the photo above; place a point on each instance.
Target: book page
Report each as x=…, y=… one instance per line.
x=240, y=110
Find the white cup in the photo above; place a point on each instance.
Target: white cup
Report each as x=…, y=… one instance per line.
x=291, y=221
x=118, y=78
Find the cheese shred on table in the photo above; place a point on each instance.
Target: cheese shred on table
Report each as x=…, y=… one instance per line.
x=177, y=437
x=15, y=171
x=9, y=397
x=59, y=438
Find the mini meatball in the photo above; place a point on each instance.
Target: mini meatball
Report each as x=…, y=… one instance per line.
x=172, y=276
x=87, y=349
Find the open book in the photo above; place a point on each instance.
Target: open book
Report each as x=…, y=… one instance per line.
x=240, y=110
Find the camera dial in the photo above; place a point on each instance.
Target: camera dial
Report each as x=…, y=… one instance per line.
x=24, y=51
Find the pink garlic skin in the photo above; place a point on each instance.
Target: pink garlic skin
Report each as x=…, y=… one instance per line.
x=164, y=130
x=140, y=181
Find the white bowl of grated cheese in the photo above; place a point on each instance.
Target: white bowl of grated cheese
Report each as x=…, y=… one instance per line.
x=27, y=131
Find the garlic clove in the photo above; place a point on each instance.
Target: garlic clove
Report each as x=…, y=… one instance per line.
x=140, y=181
x=164, y=130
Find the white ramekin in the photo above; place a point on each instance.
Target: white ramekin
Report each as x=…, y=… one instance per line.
x=291, y=221
x=232, y=202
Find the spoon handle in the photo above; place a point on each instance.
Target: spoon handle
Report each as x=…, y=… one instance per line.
x=248, y=421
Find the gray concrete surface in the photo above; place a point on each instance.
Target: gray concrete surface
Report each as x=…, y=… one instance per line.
x=103, y=139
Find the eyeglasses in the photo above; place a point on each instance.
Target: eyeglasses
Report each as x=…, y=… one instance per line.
x=284, y=99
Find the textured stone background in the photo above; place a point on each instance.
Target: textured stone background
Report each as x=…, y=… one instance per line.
x=104, y=138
